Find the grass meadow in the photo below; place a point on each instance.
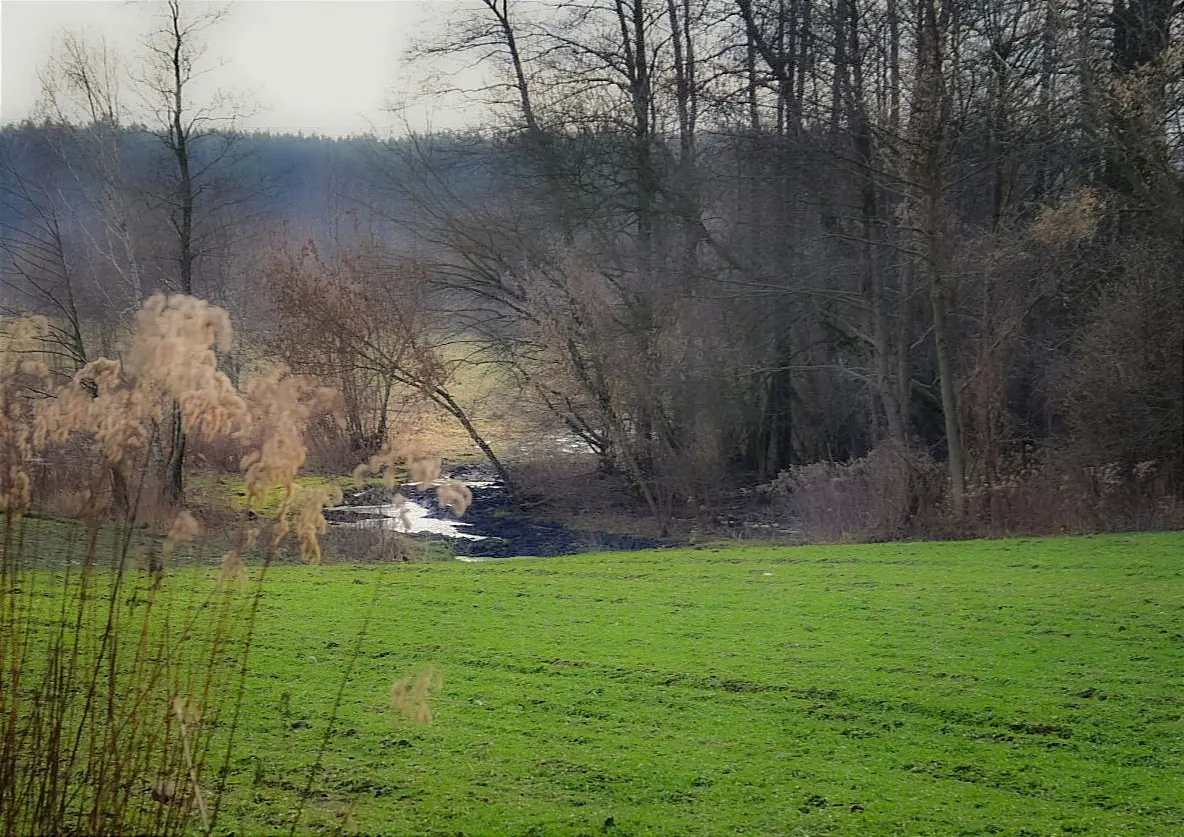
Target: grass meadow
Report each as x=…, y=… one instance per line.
x=1015, y=687
x=1006, y=687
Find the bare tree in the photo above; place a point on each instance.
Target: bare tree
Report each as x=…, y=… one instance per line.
x=82, y=96
x=359, y=316
x=95, y=101
x=199, y=139
x=39, y=263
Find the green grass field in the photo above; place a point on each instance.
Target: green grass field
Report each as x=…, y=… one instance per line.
x=1009, y=687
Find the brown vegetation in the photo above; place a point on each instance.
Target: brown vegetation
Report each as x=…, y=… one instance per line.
x=112, y=683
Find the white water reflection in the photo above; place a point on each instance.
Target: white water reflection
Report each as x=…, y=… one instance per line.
x=407, y=517
x=564, y=443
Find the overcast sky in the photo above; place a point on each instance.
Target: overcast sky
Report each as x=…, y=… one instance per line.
x=330, y=66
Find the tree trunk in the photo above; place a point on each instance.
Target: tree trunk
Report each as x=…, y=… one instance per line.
x=175, y=466
x=931, y=115
x=955, y=455
x=904, y=370
x=860, y=125
x=780, y=453
x=446, y=401
x=179, y=144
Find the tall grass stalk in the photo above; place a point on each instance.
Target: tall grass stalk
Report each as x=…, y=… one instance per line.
x=123, y=657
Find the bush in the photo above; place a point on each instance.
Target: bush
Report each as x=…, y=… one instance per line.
x=895, y=493
x=891, y=493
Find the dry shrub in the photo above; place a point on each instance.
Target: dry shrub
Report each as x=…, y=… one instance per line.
x=174, y=350
x=422, y=466
x=20, y=369
x=1074, y=219
x=233, y=573
x=171, y=358
x=424, y=470
x=355, y=313
x=310, y=521
x=330, y=450
x=183, y=530
x=281, y=407
x=1121, y=394
x=1052, y=492
x=893, y=492
x=107, y=709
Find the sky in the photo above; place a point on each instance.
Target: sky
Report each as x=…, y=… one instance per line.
x=327, y=66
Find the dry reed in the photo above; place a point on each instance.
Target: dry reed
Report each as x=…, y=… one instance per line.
x=108, y=710
x=115, y=686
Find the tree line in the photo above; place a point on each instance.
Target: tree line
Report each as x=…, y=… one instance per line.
x=721, y=241
x=741, y=236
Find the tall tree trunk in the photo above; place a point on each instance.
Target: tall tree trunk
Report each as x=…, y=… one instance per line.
x=904, y=369
x=754, y=114
x=860, y=126
x=886, y=387
x=1048, y=95
x=930, y=137
x=501, y=13
x=955, y=453
x=179, y=143
x=780, y=454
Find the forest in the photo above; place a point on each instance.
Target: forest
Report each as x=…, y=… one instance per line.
x=883, y=269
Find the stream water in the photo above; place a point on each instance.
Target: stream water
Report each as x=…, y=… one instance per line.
x=491, y=528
